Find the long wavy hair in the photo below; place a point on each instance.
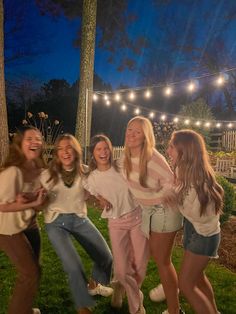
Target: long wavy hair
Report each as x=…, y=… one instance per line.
x=93, y=142
x=55, y=167
x=192, y=168
x=16, y=156
x=147, y=149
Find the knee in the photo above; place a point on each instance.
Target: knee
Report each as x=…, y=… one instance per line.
x=31, y=275
x=184, y=284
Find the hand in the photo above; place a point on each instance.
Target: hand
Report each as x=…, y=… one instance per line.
x=104, y=203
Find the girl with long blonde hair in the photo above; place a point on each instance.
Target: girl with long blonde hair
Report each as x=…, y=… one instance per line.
x=149, y=177
x=200, y=200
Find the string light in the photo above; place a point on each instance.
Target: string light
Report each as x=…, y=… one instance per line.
x=108, y=103
x=137, y=111
x=117, y=97
x=163, y=117
x=95, y=97
x=207, y=124
x=132, y=96
x=187, y=121
x=218, y=125
x=151, y=115
x=198, y=123
x=148, y=94
x=105, y=97
x=168, y=91
x=123, y=107
x=176, y=119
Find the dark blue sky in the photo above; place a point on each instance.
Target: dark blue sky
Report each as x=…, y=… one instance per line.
x=57, y=58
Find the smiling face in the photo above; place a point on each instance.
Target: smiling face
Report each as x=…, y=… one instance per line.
x=31, y=144
x=66, y=154
x=102, y=155
x=134, y=137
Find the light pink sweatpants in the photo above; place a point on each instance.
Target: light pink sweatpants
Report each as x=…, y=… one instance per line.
x=130, y=253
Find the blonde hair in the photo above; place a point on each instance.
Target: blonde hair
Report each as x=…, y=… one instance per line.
x=16, y=156
x=93, y=143
x=194, y=169
x=55, y=167
x=146, y=150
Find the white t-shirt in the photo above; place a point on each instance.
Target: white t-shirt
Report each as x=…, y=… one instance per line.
x=111, y=185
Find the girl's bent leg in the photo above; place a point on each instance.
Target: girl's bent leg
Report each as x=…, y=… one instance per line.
x=193, y=285
x=71, y=262
x=20, y=252
x=161, y=248
x=95, y=245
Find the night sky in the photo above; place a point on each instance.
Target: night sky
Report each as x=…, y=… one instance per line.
x=57, y=58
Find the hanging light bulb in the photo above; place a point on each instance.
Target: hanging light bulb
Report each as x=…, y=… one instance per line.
x=168, y=91
x=117, y=97
x=123, y=107
x=187, y=121
x=207, y=124
x=229, y=125
x=218, y=125
x=132, y=96
x=137, y=111
x=192, y=86
x=151, y=115
x=95, y=97
x=176, y=119
x=106, y=97
x=198, y=123
x=108, y=102
x=163, y=117
x=147, y=94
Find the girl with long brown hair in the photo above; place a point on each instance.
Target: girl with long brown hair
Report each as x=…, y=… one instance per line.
x=20, y=196
x=199, y=199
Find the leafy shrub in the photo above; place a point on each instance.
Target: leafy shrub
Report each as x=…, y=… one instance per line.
x=229, y=198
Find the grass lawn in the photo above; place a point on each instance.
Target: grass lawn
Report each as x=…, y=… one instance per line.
x=54, y=295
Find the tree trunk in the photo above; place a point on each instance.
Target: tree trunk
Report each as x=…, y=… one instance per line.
x=4, y=143
x=84, y=111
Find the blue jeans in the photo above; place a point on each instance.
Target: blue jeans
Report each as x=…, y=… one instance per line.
x=59, y=232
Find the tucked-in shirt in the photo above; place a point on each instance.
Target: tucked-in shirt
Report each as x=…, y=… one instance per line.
x=207, y=224
x=12, y=184
x=159, y=180
x=63, y=199
x=111, y=185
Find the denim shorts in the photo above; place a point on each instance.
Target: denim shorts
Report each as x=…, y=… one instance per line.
x=199, y=244
x=165, y=220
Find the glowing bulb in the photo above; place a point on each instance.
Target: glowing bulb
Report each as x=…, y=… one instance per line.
x=218, y=125
x=220, y=80
x=137, y=111
x=198, y=123
x=176, y=119
x=163, y=117
x=148, y=94
x=95, y=97
x=151, y=115
x=186, y=121
x=131, y=96
x=230, y=125
x=117, y=97
x=105, y=97
x=168, y=91
x=192, y=85
x=207, y=124
x=123, y=107
x=108, y=103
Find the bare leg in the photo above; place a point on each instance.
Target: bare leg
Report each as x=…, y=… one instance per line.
x=161, y=248
x=194, y=286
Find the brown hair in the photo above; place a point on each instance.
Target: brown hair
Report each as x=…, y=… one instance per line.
x=55, y=167
x=193, y=168
x=15, y=156
x=94, y=141
x=146, y=152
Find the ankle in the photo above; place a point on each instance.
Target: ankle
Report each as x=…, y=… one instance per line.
x=92, y=284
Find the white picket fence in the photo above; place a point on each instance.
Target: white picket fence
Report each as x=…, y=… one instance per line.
x=117, y=152
x=229, y=140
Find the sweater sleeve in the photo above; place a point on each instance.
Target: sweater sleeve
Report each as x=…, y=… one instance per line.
x=11, y=184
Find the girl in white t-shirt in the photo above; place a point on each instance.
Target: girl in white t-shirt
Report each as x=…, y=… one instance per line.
x=199, y=199
x=129, y=245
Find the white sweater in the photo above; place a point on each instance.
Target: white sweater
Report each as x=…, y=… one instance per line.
x=63, y=200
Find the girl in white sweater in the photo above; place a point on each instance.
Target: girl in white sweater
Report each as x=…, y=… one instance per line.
x=199, y=197
x=129, y=245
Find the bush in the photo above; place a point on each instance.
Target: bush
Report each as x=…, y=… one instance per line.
x=229, y=198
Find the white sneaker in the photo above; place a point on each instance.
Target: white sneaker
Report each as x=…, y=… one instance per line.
x=157, y=294
x=141, y=309
x=36, y=311
x=165, y=312
x=101, y=290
